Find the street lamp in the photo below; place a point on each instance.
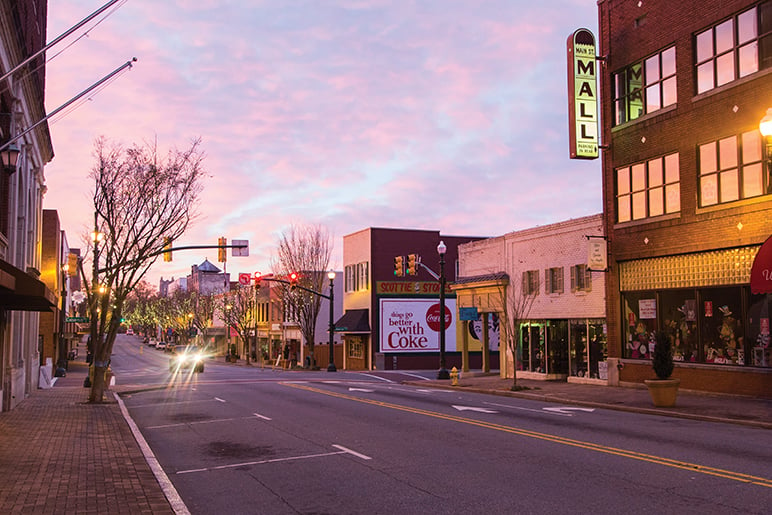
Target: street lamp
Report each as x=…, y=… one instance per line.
x=331, y=366
x=443, y=372
x=765, y=127
x=9, y=156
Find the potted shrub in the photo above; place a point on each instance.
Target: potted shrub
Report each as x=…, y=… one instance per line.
x=664, y=389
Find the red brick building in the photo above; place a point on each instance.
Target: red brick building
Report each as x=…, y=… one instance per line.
x=687, y=190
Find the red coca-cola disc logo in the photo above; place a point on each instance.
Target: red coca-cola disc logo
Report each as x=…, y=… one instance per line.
x=433, y=317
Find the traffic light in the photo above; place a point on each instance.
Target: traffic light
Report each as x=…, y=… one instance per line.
x=258, y=278
x=222, y=252
x=293, y=280
x=412, y=264
x=72, y=264
x=167, y=249
x=399, y=266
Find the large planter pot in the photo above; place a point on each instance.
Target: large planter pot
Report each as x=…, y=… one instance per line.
x=663, y=391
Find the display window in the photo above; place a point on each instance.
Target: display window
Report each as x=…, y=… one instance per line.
x=719, y=326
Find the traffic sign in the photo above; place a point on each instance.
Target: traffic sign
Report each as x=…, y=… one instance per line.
x=244, y=279
x=81, y=320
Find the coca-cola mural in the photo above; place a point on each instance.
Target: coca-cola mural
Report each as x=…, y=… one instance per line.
x=412, y=325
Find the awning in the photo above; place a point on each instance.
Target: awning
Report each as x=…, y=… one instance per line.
x=354, y=321
x=761, y=270
x=19, y=291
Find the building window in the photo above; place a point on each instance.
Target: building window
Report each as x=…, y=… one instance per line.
x=581, y=278
x=731, y=169
x=357, y=277
x=645, y=86
x=531, y=282
x=356, y=348
x=734, y=48
x=648, y=189
x=553, y=280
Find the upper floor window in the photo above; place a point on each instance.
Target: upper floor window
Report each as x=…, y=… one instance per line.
x=531, y=282
x=553, y=280
x=731, y=169
x=645, y=86
x=648, y=189
x=734, y=48
x=581, y=278
x=357, y=277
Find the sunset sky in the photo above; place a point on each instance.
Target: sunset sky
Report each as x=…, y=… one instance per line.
x=446, y=115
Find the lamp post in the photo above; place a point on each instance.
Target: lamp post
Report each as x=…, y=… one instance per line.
x=331, y=366
x=765, y=127
x=443, y=372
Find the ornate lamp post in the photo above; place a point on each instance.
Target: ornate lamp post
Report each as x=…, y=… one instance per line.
x=443, y=372
x=331, y=366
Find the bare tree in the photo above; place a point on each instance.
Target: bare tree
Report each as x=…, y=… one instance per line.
x=516, y=298
x=238, y=311
x=140, y=198
x=203, y=307
x=305, y=250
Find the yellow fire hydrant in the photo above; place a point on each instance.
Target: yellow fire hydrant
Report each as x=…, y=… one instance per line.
x=454, y=376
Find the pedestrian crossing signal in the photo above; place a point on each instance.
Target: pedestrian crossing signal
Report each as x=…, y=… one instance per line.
x=222, y=252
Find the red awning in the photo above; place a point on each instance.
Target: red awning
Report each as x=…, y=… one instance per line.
x=761, y=270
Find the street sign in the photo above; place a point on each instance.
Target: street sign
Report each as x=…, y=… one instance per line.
x=81, y=320
x=240, y=252
x=244, y=279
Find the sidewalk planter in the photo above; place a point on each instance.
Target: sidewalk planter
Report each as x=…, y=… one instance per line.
x=663, y=391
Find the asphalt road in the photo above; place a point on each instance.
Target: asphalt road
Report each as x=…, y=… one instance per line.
x=245, y=440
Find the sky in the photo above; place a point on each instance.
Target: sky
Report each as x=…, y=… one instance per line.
x=446, y=115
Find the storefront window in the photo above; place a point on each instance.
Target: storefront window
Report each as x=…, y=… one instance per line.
x=679, y=319
x=578, y=351
x=640, y=311
x=532, y=338
x=557, y=347
x=722, y=332
x=758, y=331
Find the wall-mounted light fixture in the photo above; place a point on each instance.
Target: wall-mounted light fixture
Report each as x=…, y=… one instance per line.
x=9, y=157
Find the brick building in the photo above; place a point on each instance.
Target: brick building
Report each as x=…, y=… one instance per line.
x=687, y=192
x=374, y=298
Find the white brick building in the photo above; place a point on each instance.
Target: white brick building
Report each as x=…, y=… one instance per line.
x=562, y=333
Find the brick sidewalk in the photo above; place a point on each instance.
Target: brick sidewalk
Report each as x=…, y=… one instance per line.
x=59, y=454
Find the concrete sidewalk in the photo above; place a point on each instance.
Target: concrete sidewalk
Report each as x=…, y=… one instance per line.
x=59, y=454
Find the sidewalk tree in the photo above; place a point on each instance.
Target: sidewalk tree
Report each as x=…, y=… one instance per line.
x=202, y=307
x=305, y=250
x=516, y=298
x=237, y=311
x=142, y=199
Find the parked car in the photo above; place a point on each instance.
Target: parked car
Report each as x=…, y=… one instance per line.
x=160, y=345
x=187, y=356
x=129, y=332
x=152, y=342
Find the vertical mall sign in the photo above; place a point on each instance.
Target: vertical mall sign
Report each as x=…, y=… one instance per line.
x=582, y=96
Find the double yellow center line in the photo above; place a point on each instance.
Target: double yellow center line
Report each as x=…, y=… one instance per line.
x=693, y=467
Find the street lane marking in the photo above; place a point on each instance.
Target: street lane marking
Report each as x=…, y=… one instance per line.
x=474, y=408
x=219, y=399
x=342, y=450
x=258, y=415
x=213, y=421
x=349, y=451
x=528, y=409
x=567, y=410
x=658, y=460
x=360, y=390
x=378, y=377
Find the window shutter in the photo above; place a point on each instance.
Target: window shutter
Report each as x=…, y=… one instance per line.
x=547, y=281
x=524, y=286
x=587, y=279
x=573, y=278
x=561, y=278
